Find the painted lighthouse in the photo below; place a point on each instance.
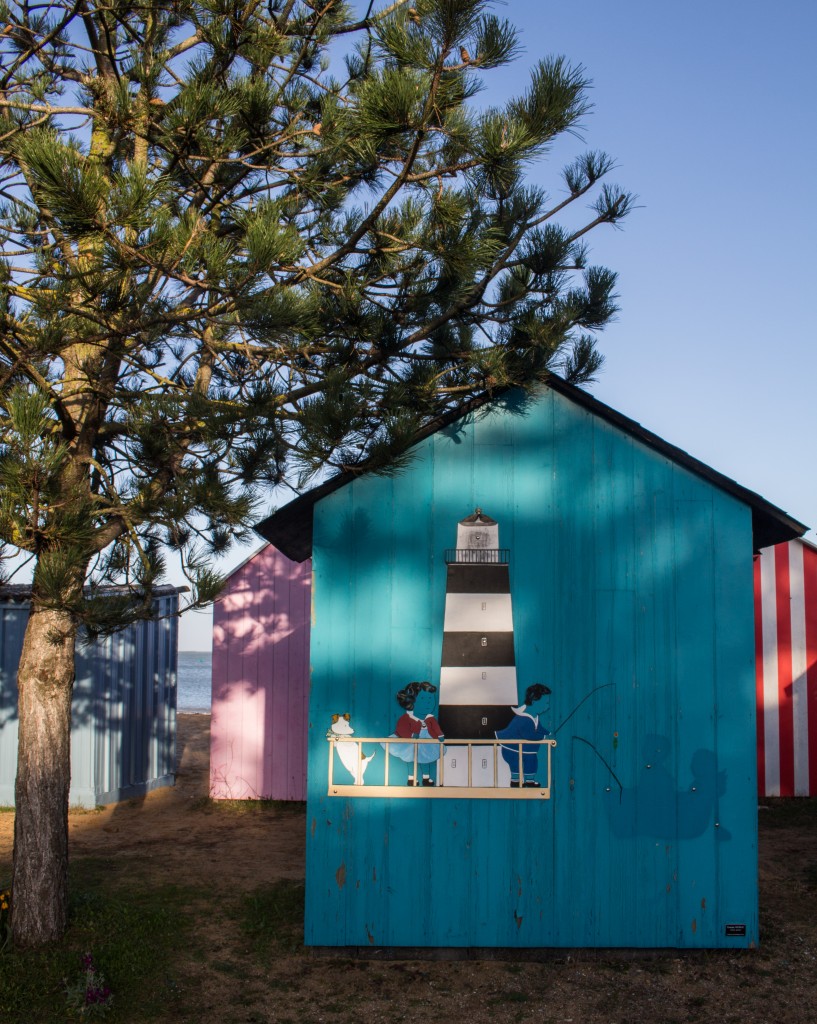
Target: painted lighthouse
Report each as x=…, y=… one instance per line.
x=478, y=667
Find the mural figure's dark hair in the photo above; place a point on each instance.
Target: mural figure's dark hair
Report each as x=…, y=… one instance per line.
x=407, y=697
x=533, y=693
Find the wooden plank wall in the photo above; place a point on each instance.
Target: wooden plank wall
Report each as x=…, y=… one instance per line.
x=123, y=715
x=261, y=681
x=786, y=640
x=632, y=596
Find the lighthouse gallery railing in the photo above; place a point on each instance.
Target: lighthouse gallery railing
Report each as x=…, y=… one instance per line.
x=477, y=556
x=440, y=789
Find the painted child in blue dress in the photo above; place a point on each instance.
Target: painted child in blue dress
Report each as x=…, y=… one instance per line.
x=525, y=725
x=419, y=701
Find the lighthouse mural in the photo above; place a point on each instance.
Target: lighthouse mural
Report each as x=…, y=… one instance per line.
x=478, y=683
x=470, y=736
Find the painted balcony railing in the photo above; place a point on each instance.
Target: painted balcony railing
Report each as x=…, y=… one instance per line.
x=477, y=556
x=471, y=769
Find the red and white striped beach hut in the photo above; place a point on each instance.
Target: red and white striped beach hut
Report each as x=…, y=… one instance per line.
x=786, y=645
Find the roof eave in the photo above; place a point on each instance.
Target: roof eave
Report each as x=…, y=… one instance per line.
x=290, y=528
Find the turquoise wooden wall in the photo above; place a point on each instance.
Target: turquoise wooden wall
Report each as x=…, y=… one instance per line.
x=627, y=573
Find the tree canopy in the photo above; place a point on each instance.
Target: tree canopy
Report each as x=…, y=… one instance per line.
x=244, y=243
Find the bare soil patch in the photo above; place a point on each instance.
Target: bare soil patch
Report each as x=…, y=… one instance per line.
x=249, y=859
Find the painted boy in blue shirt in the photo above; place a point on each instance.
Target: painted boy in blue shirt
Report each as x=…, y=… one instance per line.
x=525, y=725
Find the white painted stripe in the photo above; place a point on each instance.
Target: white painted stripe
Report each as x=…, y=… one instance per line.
x=771, y=711
x=491, y=685
x=478, y=613
x=799, y=668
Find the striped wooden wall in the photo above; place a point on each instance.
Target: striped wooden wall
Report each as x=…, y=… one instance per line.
x=786, y=659
x=260, y=681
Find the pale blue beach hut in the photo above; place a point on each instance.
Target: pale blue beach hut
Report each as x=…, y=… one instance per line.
x=123, y=728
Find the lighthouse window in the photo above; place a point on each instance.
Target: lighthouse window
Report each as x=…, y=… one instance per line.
x=485, y=641
x=484, y=605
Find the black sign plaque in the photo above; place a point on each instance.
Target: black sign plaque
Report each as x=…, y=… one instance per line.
x=736, y=929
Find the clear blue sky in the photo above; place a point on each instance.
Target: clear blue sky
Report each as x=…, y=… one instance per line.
x=709, y=110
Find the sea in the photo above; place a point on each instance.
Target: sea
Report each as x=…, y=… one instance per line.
x=195, y=678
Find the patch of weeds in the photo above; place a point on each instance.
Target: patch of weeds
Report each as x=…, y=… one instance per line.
x=132, y=934
x=273, y=917
x=810, y=876
x=6, y=808
x=787, y=812
x=513, y=968
x=226, y=966
x=515, y=996
x=278, y=984
x=247, y=808
x=658, y=966
x=619, y=965
x=755, y=970
x=90, y=994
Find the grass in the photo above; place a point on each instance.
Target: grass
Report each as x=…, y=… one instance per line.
x=133, y=935
x=143, y=940
x=272, y=918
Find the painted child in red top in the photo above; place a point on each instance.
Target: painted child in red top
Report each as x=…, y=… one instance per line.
x=418, y=723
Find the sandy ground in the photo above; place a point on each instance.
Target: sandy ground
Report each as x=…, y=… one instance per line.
x=175, y=834
x=172, y=826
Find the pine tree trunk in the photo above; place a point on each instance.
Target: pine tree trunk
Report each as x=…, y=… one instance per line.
x=45, y=683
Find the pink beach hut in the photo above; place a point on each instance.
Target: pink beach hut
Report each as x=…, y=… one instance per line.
x=261, y=680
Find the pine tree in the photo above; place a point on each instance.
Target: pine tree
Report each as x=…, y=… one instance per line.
x=245, y=242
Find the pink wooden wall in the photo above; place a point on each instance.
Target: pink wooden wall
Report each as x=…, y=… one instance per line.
x=261, y=681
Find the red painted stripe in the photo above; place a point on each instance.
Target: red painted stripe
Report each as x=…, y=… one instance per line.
x=810, y=598
x=784, y=669
x=761, y=747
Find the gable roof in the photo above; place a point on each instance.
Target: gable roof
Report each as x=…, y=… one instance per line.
x=290, y=527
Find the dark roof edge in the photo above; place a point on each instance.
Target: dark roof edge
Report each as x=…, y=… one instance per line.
x=290, y=528
x=22, y=591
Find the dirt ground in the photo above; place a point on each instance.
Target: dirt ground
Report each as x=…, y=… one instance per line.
x=176, y=834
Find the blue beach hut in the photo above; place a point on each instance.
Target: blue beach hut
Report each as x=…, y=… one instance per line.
x=123, y=712
x=602, y=602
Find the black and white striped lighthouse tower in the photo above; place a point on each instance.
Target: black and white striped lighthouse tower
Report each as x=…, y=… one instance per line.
x=478, y=670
